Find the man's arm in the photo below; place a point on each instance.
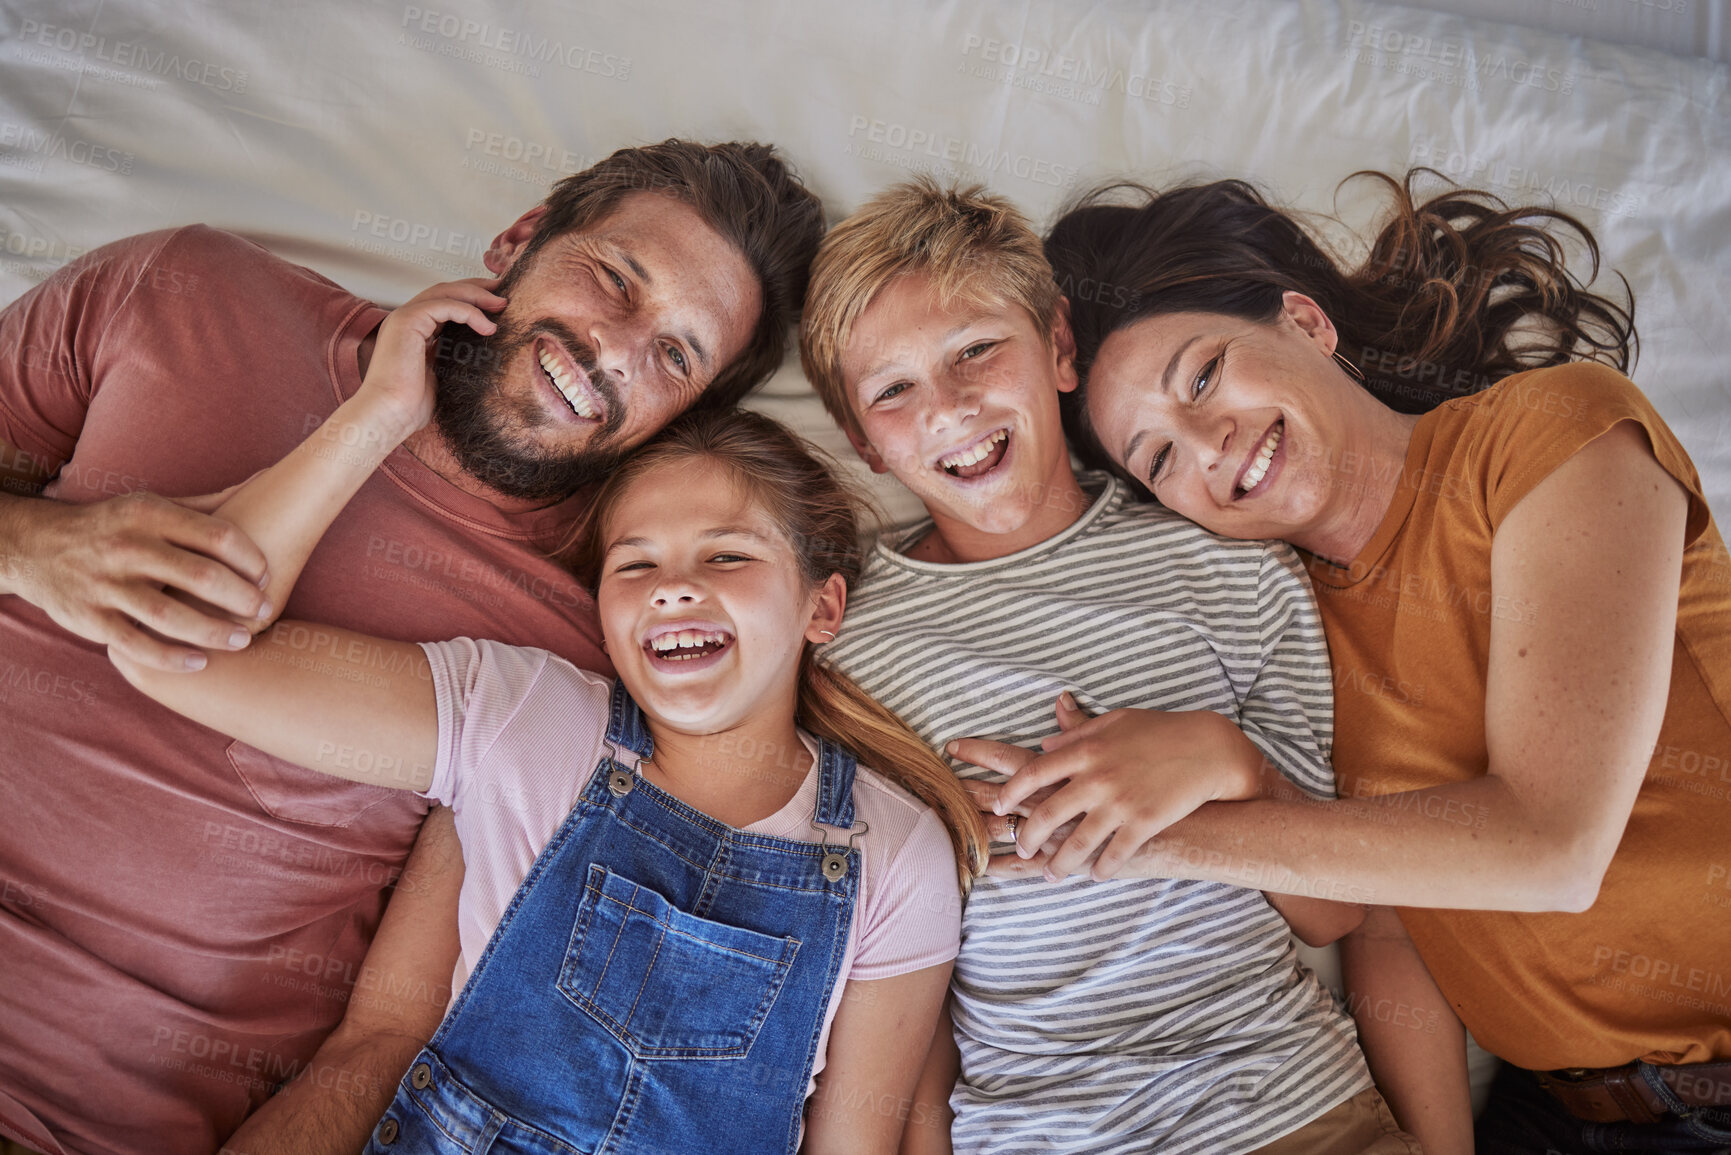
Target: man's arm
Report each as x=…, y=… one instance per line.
x=99, y=569
x=396, y=1005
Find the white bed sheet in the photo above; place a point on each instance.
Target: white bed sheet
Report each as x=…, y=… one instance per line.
x=385, y=143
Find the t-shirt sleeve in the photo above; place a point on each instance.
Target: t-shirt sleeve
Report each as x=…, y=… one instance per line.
x=1538, y=420
x=1289, y=710
x=52, y=336
x=481, y=687
x=915, y=918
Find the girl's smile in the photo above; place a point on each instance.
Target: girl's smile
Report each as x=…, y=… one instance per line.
x=703, y=601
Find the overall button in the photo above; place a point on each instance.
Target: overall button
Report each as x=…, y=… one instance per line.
x=420, y=1077
x=620, y=783
x=388, y=1131
x=834, y=866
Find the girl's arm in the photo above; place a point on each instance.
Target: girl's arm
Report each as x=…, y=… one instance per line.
x=1575, y=698
x=877, y=1049
x=331, y=700
x=286, y=509
x=1416, y=1046
x=927, y=1131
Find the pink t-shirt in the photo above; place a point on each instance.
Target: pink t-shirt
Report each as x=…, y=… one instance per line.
x=181, y=917
x=520, y=733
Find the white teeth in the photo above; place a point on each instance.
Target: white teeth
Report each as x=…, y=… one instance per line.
x=977, y=453
x=1253, y=476
x=575, y=397
x=666, y=643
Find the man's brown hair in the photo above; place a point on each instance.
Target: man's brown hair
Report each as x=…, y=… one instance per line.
x=743, y=191
x=973, y=244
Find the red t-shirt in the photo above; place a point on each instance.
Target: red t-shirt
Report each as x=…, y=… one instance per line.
x=182, y=917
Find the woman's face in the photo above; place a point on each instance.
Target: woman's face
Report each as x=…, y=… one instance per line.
x=703, y=602
x=1237, y=425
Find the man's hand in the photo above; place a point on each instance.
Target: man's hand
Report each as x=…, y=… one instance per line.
x=400, y=378
x=110, y=571
x=1122, y=778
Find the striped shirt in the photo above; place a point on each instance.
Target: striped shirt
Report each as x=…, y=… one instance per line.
x=1132, y=1015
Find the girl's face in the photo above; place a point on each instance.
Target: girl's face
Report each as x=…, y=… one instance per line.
x=1236, y=425
x=703, y=604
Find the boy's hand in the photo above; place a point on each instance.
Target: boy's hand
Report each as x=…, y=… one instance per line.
x=1125, y=776
x=400, y=375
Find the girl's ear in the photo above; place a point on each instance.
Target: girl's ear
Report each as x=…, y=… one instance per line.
x=831, y=601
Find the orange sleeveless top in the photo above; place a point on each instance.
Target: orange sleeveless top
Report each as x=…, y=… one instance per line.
x=1646, y=972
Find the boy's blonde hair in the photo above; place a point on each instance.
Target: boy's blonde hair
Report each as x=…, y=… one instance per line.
x=975, y=246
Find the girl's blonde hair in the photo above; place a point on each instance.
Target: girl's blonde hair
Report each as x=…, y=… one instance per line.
x=819, y=516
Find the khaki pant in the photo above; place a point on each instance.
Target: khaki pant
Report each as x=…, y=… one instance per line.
x=1360, y=1126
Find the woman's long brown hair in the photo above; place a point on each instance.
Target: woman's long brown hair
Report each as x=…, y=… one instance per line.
x=1458, y=290
x=819, y=515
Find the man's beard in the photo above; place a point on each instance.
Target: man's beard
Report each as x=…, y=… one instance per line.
x=490, y=432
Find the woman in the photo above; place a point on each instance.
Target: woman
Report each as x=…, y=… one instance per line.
x=1526, y=606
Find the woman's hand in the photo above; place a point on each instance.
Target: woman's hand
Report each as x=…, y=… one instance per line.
x=1120, y=779
x=400, y=379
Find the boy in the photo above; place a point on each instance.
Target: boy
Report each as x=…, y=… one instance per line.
x=1127, y=1015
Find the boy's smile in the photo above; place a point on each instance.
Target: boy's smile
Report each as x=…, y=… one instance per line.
x=959, y=401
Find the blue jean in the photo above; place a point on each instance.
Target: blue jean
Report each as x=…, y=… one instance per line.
x=1522, y=1118
x=657, y=984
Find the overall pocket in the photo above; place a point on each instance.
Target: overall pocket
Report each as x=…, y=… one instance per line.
x=668, y=984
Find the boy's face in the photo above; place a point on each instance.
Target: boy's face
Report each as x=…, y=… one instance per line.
x=960, y=403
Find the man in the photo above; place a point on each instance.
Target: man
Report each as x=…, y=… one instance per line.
x=178, y=942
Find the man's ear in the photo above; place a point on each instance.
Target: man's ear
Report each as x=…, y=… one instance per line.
x=509, y=245
x=1310, y=319
x=826, y=616
x=1064, y=346
x=867, y=454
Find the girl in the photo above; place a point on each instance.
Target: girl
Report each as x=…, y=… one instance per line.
x=1524, y=597
x=679, y=887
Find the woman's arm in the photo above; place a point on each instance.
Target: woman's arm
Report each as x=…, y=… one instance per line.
x=1416, y=1046
x=397, y=1003
x=877, y=1048
x=1575, y=699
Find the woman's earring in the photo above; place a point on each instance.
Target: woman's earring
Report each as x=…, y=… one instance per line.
x=831, y=633
x=1352, y=370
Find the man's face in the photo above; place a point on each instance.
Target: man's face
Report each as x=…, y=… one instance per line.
x=608, y=335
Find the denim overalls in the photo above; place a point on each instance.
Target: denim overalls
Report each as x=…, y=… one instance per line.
x=656, y=985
